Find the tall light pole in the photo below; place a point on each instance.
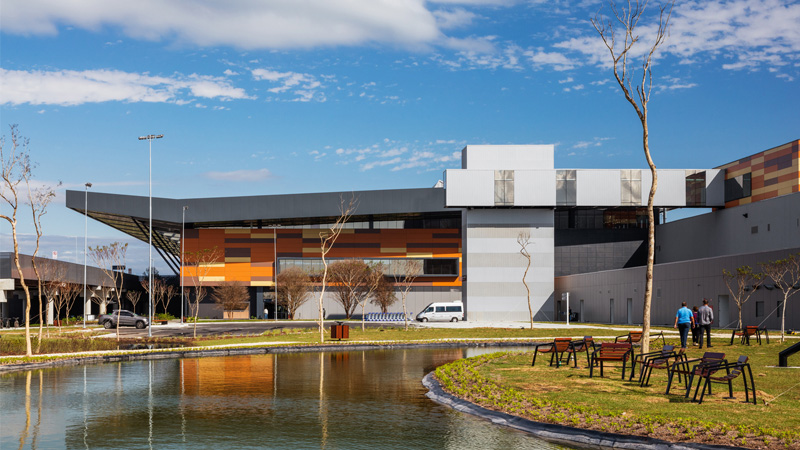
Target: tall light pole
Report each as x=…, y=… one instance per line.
x=183, y=224
x=275, y=265
x=85, y=243
x=149, y=138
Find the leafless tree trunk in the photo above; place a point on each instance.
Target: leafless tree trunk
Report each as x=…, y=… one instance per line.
x=327, y=239
x=785, y=273
x=741, y=284
x=627, y=20
x=38, y=200
x=201, y=261
x=16, y=167
x=524, y=239
x=231, y=296
x=133, y=297
x=294, y=286
x=169, y=293
x=106, y=257
x=374, y=277
x=405, y=271
x=69, y=292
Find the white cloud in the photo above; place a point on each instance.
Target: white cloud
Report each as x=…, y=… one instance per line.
x=752, y=34
x=454, y=18
x=305, y=87
x=557, y=61
x=240, y=175
x=70, y=87
x=566, y=80
x=238, y=23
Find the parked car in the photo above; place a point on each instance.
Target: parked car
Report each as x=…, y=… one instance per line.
x=126, y=318
x=452, y=311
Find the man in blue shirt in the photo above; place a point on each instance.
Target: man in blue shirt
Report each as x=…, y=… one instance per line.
x=684, y=320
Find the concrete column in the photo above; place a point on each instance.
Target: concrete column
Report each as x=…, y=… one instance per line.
x=50, y=311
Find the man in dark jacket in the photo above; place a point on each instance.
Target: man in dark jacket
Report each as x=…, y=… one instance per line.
x=706, y=318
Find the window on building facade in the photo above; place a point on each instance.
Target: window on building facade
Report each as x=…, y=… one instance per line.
x=566, y=187
x=630, y=187
x=759, y=309
x=504, y=188
x=695, y=188
x=738, y=187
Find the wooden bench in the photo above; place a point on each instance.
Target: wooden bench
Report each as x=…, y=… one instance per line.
x=635, y=338
x=732, y=371
x=693, y=367
x=557, y=348
x=580, y=345
x=746, y=332
x=608, y=352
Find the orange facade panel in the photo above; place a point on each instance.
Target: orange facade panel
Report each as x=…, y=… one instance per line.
x=249, y=253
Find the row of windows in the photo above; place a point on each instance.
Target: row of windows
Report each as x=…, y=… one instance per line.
x=439, y=267
x=630, y=187
x=595, y=219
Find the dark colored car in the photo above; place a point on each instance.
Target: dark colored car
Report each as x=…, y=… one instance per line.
x=126, y=319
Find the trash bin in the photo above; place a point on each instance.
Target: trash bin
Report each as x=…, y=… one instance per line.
x=340, y=331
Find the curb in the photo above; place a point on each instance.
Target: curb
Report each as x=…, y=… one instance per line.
x=197, y=353
x=558, y=434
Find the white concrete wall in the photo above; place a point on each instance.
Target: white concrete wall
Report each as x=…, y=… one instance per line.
x=507, y=157
x=469, y=188
x=597, y=187
x=494, y=266
x=671, y=189
x=534, y=187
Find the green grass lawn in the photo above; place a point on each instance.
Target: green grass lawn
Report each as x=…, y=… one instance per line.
x=567, y=395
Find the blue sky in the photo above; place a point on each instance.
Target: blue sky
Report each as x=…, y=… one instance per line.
x=293, y=96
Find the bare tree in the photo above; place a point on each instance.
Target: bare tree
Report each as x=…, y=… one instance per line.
x=384, y=294
x=38, y=199
x=741, y=284
x=16, y=167
x=327, y=238
x=785, y=273
x=231, y=296
x=294, y=287
x=106, y=257
x=373, y=280
x=69, y=293
x=133, y=297
x=170, y=291
x=102, y=299
x=198, y=265
x=405, y=271
x=628, y=20
x=347, y=280
x=524, y=239
x=53, y=275
x=158, y=288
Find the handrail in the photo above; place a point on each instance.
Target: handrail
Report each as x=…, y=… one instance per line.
x=786, y=353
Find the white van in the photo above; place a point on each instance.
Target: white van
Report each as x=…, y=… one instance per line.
x=452, y=311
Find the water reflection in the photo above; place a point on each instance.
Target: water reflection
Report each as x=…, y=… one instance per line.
x=355, y=400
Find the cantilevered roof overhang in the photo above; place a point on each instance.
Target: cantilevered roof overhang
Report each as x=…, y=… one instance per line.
x=130, y=213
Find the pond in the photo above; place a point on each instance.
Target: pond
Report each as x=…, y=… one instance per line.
x=339, y=400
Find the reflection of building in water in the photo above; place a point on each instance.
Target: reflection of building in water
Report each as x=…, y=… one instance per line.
x=214, y=376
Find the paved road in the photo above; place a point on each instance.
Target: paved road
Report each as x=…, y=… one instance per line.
x=227, y=328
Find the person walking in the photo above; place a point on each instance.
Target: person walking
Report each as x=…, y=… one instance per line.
x=683, y=321
x=706, y=318
x=696, y=327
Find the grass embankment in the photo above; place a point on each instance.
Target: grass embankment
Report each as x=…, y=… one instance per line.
x=70, y=341
x=567, y=396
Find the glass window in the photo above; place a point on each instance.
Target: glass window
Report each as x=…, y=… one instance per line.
x=440, y=309
x=566, y=193
x=738, y=187
x=504, y=188
x=759, y=309
x=453, y=308
x=695, y=188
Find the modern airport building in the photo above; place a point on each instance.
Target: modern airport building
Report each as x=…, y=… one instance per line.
x=586, y=232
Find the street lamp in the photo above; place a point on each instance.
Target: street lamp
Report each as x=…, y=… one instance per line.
x=85, y=243
x=149, y=138
x=275, y=265
x=183, y=224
